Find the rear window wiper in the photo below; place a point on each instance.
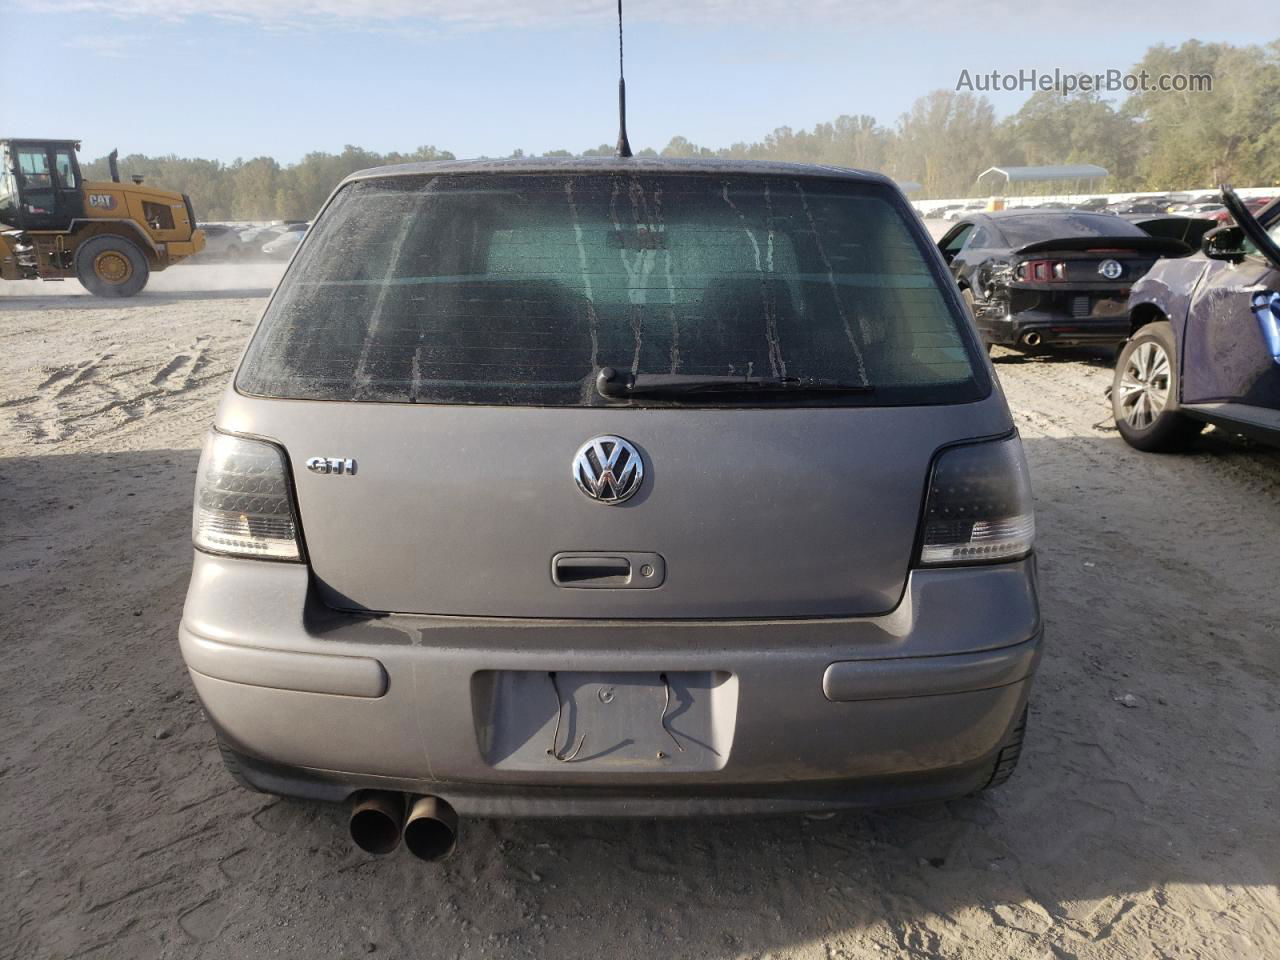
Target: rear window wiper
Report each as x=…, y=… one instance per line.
x=614, y=385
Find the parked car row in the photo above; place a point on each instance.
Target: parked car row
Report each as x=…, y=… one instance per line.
x=225, y=243
x=1207, y=205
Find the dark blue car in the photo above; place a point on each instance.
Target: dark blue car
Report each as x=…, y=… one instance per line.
x=1205, y=339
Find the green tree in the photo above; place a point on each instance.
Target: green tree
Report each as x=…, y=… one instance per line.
x=1153, y=140
x=1082, y=128
x=944, y=142
x=682, y=147
x=1198, y=138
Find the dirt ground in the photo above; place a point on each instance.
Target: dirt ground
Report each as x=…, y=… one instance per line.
x=1145, y=830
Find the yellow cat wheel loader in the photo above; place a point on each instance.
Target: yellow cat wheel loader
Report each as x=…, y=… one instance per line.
x=109, y=235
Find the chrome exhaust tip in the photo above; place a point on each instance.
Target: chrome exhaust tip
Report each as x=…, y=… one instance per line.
x=431, y=829
x=1031, y=339
x=377, y=821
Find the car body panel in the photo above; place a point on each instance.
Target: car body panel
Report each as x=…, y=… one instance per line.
x=1188, y=229
x=495, y=483
x=1167, y=287
x=933, y=686
x=1224, y=321
x=1224, y=355
x=745, y=526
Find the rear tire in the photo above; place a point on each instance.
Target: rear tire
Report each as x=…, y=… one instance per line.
x=1007, y=758
x=1144, y=393
x=110, y=266
x=231, y=760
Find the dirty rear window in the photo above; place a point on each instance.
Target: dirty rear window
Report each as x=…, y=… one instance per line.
x=517, y=289
x=1023, y=230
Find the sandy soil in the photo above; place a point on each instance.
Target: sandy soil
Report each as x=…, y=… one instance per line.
x=1145, y=831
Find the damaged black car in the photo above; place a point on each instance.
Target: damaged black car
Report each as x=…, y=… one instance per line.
x=1051, y=278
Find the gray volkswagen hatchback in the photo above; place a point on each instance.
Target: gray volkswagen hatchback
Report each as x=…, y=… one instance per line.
x=612, y=487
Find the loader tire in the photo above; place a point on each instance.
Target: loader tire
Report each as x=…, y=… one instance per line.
x=111, y=267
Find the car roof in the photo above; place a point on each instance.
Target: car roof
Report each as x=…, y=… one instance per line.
x=642, y=165
x=1042, y=213
x=1048, y=218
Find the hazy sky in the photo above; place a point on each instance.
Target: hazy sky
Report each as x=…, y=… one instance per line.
x=229, y=78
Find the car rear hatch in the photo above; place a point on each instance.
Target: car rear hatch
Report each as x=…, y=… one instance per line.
x=1084, y=277
x=430, y=366
x=1086, y=260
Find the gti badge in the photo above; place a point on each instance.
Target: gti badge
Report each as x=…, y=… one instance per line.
x=1111, y=269
x=335, y=466
x=608, y=469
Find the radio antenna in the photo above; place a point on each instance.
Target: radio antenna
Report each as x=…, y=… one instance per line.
x=624, y=145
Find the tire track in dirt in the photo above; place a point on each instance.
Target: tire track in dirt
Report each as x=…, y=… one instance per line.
x=112, y=391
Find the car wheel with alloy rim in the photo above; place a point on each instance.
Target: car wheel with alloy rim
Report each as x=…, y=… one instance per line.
x=1144, y=393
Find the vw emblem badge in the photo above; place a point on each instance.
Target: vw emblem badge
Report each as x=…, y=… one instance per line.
x=1111, y=269
x=608, y=469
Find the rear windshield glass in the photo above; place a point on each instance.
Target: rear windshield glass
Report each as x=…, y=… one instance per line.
x=1024, y=230
x=517, y=289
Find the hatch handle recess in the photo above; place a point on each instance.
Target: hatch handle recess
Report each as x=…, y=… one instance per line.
x=635, y=571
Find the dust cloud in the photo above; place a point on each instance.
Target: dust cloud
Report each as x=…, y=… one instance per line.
x=252, y=279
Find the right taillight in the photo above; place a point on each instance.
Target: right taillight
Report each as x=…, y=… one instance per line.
x=979, y=508
x=243, y=505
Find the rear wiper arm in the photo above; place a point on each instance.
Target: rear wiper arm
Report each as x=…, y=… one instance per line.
x=614, y=385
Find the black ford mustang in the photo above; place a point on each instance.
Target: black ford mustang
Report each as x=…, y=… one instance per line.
x=1047, y=277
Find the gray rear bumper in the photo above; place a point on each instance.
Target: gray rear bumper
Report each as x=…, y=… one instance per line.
x=908, y=706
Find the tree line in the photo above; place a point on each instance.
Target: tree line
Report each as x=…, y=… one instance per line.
x=1147, y=141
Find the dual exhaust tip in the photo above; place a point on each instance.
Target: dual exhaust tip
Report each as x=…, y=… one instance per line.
x=381, y=819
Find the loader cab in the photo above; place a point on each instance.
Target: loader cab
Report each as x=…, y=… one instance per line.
x=40, y=184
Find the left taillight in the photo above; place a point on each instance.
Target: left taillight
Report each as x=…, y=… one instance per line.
x=243, y=505
x=979, y=506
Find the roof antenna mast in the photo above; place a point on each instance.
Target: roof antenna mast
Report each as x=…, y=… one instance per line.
x=624, y=145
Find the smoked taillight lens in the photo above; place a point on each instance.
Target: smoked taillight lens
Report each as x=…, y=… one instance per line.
x=243, y=506
x=979, y=506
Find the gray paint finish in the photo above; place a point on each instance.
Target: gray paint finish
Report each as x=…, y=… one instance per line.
x=267, y=667
x=886, y=679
